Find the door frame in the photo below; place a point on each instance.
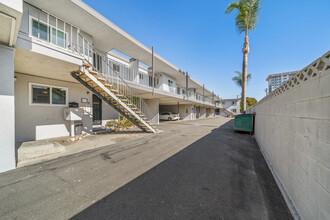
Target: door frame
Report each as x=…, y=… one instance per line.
x=97, y=122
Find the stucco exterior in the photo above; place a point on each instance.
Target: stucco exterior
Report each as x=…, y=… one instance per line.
x=7, y=109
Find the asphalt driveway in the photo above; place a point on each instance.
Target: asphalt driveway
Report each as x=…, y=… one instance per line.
x=223, y=175
x=197, y=169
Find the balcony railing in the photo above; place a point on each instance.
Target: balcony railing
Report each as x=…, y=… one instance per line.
x=51, y=29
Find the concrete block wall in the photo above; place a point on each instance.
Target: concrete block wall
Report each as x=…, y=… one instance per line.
x=293, y=129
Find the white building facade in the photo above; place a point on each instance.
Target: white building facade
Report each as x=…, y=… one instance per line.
x=275, y=80
x=230, y=106
x=56, y=57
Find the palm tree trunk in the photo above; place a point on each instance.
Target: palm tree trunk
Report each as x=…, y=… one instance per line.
x=244, y=71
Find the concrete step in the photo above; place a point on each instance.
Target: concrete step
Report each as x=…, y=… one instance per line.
x=36, y=149
x=101, y=130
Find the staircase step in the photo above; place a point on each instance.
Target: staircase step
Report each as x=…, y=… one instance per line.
x=91, y=83
x=119, y=95
x=93, y=72
x=97, y=88
x=87, y=65
x=78, y=71
x=100, y=79
x=113, y=91
x=108, y=85
x=103, y=92
x=124, y=100
x=129, y=104
x=83, y=76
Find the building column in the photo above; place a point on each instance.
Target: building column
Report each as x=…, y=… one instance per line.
x=154, y=105
x=134, y=64
x=7, y=109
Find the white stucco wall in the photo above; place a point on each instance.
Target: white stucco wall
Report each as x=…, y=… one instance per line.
x=227, y=104
x=35, y=122
x=7, y=109
x=154, y=106
x=293, y=130
x=202, y=112
x=163, y=81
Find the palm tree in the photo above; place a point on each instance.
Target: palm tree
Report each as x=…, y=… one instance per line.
x=238, y=79
x=246, y=20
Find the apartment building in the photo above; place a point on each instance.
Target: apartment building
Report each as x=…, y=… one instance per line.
x=230, y=106
x=275, y=80
x=61, y=70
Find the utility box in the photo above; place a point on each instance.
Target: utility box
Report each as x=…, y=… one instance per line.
x=73, y=114
x=244, y=123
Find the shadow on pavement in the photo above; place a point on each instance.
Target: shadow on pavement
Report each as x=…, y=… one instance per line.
x=221, y=176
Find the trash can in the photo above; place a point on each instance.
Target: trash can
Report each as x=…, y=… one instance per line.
x=244, y=122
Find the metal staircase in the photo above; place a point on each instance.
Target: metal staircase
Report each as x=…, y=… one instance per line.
x=100, y=78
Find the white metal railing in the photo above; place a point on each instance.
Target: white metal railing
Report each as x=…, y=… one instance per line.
x=105, y=69
x=49, y=27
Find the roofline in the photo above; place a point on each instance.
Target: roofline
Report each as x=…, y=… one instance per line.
x=280, y=74
x=106, y=21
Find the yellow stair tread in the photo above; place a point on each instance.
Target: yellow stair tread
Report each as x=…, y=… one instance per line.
x=87, y=65
x=107, y=85
x=97, y=87
x=100, y=79
x=93, y=72
x=91, y=82
x=103, y=92
x=124, y=100
x=83, y=76
x=119, y=95
x=113, y=90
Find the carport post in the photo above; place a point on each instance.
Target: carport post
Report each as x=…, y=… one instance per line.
x=153, y=71
x=203, y=93
x=187, y=84
x=178, y=110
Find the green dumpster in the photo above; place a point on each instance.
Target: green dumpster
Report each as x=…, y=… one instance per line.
x=244, y=123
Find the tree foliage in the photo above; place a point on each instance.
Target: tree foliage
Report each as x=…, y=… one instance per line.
x=248, y=11
x=239, y=78
x=249, y=102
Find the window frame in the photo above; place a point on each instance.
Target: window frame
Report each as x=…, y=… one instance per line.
x=49, y=32
x=50, y=95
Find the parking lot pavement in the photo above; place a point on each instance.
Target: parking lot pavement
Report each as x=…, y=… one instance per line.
x=190, y=170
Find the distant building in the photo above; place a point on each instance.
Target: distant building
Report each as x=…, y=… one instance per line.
x=231, y=105
x=275, y=80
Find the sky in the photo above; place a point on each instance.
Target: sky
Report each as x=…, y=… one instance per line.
x=198, y=37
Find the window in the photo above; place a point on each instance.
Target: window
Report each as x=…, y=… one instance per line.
x=234, y=110
x=183, y=92
x=116, y=68
x=140, y=75
x=58, y=96
x=170, y=83
x=40, y=94
x=39, y=30
x=48, y=33
x=178, y=90
x=47, y=95
x=233, y=103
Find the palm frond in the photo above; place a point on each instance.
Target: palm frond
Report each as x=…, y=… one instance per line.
x=248, y=12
